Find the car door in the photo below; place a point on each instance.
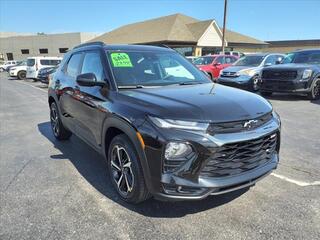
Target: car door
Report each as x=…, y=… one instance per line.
x=66, y=82
x=88, y=108
x=219, y=64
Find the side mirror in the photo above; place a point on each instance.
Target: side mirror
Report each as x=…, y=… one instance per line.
x=89, y=80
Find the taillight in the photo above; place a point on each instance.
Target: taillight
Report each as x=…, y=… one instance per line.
x=36, y=66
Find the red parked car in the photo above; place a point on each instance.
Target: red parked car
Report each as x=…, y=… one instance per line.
x=213, y=64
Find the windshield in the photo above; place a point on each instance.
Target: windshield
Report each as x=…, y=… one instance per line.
x=310, y=57
x=203, y=60
x=144, y=68
x=249, y=61
x=22, y=63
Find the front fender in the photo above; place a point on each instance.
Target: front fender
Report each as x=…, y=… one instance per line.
x=123, y=125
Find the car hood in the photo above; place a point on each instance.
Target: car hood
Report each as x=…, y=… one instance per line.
x=293, y=66
x=239, y=68
x=203, y=102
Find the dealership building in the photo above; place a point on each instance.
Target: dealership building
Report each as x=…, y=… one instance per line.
x=15, y=46
x=187, y=35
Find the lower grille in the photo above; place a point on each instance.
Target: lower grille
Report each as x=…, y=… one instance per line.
x=279, y=75
x=236, y=158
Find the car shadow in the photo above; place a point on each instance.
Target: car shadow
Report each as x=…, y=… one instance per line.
x=92, y=166
x=291, y=97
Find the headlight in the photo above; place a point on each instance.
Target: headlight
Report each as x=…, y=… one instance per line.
x=249, y=72
x=175, y=150
x=277, y=117
x=168, y=123
x=307, y=73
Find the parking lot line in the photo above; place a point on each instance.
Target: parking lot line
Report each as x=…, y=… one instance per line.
x=299, y=183
x=33, y=86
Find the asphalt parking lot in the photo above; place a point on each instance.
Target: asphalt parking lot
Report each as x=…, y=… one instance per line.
x=53, y=190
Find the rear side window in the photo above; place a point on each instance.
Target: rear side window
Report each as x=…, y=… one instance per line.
x=73, y=65
x=30, y=62
x=220, y=60
x=92, y=64
x=50, y=62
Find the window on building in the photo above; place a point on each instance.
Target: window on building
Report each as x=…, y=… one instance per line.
x=10, y=56
x=63, y=50
x=25, y=51
x=43, y=50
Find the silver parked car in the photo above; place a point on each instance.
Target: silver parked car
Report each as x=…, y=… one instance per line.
x=244, y=73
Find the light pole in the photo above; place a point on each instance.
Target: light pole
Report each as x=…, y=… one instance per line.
x=224, y=24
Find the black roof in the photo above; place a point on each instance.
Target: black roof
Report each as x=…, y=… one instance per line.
x=123, y=47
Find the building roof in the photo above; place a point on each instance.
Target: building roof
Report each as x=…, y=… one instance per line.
x=172, y=28
x=234, y=37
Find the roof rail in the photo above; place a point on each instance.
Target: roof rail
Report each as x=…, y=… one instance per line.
x=89, y=44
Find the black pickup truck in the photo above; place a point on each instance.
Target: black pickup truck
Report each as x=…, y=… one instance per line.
x=299, y=73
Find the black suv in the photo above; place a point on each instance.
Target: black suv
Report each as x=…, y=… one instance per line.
x=299, y=72
x=164, y=128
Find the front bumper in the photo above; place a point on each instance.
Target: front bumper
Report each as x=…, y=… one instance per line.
x=243, y=82
x=12, y=73
x=285, y=86
x=186, y=182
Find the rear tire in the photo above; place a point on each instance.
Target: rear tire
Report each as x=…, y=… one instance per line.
x=58, y=130
x=125, y=170
x=21, y=75
x=315, y=90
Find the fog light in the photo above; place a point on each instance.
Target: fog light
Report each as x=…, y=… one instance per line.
x=176, y=150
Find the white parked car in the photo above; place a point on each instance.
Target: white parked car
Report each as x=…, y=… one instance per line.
x=5, y=65
x=19, y=70
x=34, y=64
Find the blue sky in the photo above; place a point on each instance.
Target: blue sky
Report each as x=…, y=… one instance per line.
x=263, y=19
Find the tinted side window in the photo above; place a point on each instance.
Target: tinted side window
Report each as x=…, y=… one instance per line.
x=271, y=60
x=229, y=60
x=92, y=64
x=48, y=62
x=73, y=65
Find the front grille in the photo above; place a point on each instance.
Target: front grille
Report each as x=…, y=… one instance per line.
x=229, y=74
x=238, y=126
x=236, y=158
x=279, y=74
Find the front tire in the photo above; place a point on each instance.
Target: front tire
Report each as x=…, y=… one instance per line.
x=21, y=75
x=58, y=130
x=125, y=170
x=315, y=90
x=255, y=84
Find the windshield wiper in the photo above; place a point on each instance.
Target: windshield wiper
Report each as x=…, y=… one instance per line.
x=189, y=83
x=131, y=87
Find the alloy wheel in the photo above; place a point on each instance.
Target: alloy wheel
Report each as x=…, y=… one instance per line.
x=255, y=83
x=121, y=170
x=316, y=90
x=54, y=117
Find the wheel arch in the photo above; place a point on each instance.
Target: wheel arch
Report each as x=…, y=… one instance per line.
x=115, y=125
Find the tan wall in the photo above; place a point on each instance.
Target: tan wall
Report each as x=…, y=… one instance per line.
x=34, y=42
